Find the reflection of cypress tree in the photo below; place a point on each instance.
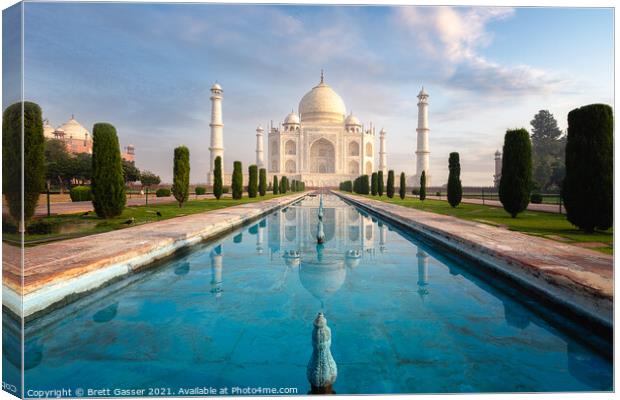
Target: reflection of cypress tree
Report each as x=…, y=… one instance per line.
x=238, y=238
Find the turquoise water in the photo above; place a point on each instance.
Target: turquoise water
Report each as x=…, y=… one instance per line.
x=405, y=318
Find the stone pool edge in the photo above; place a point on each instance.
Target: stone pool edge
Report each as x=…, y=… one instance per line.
x=584, y=301
x=57, y=294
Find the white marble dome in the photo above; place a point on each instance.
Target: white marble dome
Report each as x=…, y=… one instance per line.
x=322, y=103
x=292, y=118
x=352, y=120
x=74, y=129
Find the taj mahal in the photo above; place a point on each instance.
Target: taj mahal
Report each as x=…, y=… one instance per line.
x=320, y=144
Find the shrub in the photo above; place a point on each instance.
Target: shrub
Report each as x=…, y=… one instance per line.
x=374, y=183
x=163, y=192
x=276, y=186
x=415, y=191
x=180, y=186
x=225, y=189
x=402, y=191
x=200, y=190
x=588, y=186
x=80, y=193
x=390, y=184
x=217, y=178
x=262, y=181
x=252, y=181
x=41, y=227
x=380, y=186
x=516, y=181
x=455, y=189
x=237, y=181
x=108, y=183
x=423, y=186
x=33, y=159
x=438, y=194
x=536, y=198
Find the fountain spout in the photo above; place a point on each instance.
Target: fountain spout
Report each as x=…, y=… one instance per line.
x=322, y=370
x=320, y=234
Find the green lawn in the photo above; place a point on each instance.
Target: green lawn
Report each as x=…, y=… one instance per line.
x=76, y=225
x=549, y=225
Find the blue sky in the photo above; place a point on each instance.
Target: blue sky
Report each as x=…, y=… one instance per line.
x=147, y=68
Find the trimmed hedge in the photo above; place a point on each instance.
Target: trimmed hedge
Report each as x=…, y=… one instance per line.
x=536, y=198
x=423, y=186
x=237, y=181
x=262, y=181
x=380, y=185
x=163, y=192
x=402, y=190
x=252, y=181
x=588, y=186
x=217, y=178
x=200, y=190
x=276, y=187
x=390, y=184
x=80, y=193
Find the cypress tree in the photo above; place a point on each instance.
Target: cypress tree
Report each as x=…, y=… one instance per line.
x=374, y=185
x=455, y=190
x=237, y=180
x=218, y=186
x=252, y=181
x=402, y=191
x=365, y=184
x=423, y=186
x=180, y=184
x=516, y=181
x=390, y=184
x=34, y=159
x=262, y=181
x=283, y=185
x=276, y=188
x=107, y=183
x=380, y=186
x=588, y=186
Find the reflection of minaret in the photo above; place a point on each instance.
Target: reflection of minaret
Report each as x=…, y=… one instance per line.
x=259, y=240
x=216, y=270
x=422, y=272
x=382, y=236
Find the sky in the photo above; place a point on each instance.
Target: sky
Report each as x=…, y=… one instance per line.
x=147, y=69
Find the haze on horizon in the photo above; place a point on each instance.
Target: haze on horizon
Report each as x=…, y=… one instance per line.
x=147, y=69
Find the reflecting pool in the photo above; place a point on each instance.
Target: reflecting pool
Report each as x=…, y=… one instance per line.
x=405, y=318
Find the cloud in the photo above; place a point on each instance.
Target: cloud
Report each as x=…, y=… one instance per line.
x=454, y=37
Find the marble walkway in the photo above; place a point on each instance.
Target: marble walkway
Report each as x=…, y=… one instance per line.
x=579, y=278
x=58, y=270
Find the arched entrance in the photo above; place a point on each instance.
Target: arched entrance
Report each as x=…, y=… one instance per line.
x=322, y=157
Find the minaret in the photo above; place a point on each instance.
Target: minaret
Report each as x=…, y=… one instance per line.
x=423, y=151
x=260, y=160
x=217, y=129
x=382, y=152
x=498, y=169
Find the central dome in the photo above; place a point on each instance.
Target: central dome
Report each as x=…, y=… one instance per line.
x=322, y=103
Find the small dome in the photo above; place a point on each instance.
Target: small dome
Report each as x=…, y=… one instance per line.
x=322, y=103
x=292, y=118
x=422, y=92
x=352, y=120
x=259, y=128
x=216, y=86
x=73, y=129
x=383, y=132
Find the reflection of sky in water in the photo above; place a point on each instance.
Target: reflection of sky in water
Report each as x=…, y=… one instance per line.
x=404, y=318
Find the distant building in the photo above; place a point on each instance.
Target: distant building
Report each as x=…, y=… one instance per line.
x=78, y=139
x=498, y=169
